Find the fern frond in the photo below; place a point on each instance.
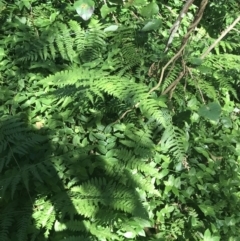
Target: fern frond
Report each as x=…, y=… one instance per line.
x=171, y=76
x=86, y=226
x=66, y=41
x=23, y=222
x=174, y=140
x=6, y=220
x=120, y=88
x=45, y=217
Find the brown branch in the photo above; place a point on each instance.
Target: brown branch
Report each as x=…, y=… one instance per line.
x=174, y=83
x=176, y=25
x=184, y=41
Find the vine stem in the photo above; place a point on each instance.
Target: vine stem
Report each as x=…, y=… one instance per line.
x=197, y=19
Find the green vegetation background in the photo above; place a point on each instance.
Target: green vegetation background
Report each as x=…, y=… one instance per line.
x=118, y=121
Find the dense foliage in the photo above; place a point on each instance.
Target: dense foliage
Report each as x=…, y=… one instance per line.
x=119, y=120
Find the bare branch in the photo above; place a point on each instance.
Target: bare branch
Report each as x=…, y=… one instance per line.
x=223, y=34
x=174, y=83
x=195, y=22
x=176, y=25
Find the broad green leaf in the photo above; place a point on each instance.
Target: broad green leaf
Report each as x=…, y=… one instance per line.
x=150, y=10
x=204, y=69
x=168, y=209
x=102, y=149
x=152, y=25
x=119, y=127
x=110, y=145
x=142, y=222
x=207, y=234
x=226, y=121
x=99, y=136
x=23, y=20
x=76, y=140
x=105, y=10
x=193, y=221
x=67, y=101
x=190, y=191
x=163, y=173
x=210, y=111
x=209, y=237
x=59, y=226
x=111, y=28
x=84, y=8
x=129, y=234
x=141, y=233
x=24, y=3
x=201, y=150
x=170, y=181
x=110, y=153
x=230, y=221
x=177, y=182
x=196, y=61
x=175, y=191
x=207, y=210
x=179, y=166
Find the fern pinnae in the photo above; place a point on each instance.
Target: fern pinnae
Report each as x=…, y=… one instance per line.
x=6, y=220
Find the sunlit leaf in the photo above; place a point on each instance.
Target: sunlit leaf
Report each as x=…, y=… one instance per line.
x=150, y=10
x=84, y=8
x=152, y=25
x=111, y=28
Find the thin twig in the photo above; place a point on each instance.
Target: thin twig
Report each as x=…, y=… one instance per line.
x=236, y=30
x=201, y=93
x=223, y=34
x=184, y=42
x=174, y=83
x=189, y=71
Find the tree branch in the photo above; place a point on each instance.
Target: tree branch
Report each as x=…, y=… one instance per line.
x=195, y=22
x=177, y=55
x=176, y=25
x=223, y=34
